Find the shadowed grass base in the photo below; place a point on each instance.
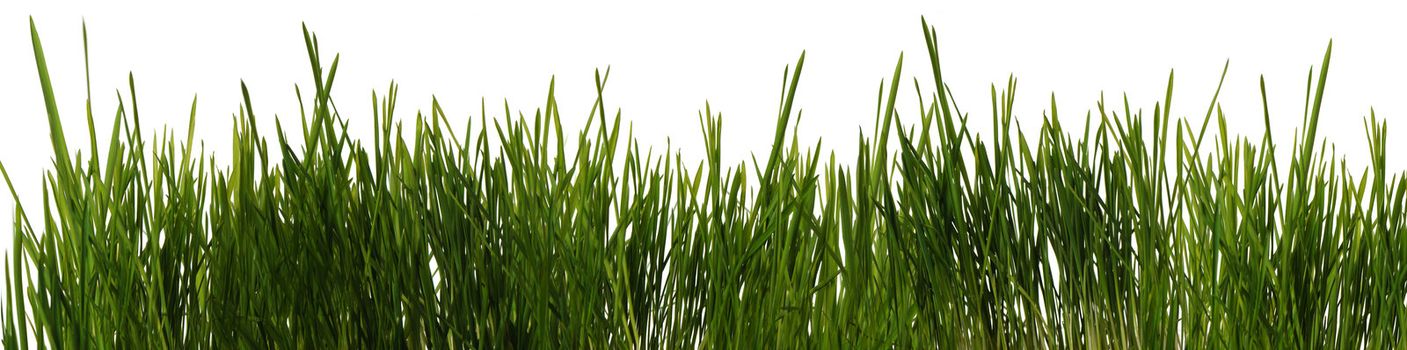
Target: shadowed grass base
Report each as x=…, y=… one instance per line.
x=1138, y=231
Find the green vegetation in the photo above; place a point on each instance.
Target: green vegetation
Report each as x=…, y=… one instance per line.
x=1138, y=231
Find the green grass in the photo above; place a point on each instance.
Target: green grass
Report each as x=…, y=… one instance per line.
x=1140, y=230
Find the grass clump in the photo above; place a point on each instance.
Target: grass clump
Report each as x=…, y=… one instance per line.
x=1137, y=231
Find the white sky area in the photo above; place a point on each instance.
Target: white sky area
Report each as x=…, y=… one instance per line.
x=667, y=60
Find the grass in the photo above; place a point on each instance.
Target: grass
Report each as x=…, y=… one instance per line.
x=1140, y=230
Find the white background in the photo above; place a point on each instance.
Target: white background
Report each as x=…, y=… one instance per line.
x=667, y=60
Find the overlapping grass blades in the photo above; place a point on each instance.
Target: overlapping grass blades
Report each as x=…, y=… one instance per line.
x=1136, y=231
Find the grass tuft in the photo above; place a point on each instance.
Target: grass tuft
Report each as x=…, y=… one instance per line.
x=1137, y=231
